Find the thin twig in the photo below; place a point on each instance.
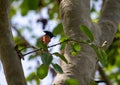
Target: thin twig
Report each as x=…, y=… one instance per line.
x=19, y=34
x=104, y=76
x=39, y=49
x=32, y=51
x=100, y=81
x=56, y=45
x=59, y=43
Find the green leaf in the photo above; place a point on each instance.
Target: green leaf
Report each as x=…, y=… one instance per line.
x=118, y=28
x=28, y=5
x=11, y=1
x=103, y=58
x=93, y=9
x=74, y=53
x=63, y=46
x=31, y=76
x=53, y=11
x=61, y=56
x=87, y=31
x=42, y=71
x=41, y=45
x=12, y=11
x=31, y=57
x=117, y=61
x=32, y=6
x=58, y=30
x=93, y=83
x=76, y=47
x=72, y=82
x=24, y=8
x=95, y=48
x=46, y=58
x=63, y=38
x=101, y=54
x=57, y=68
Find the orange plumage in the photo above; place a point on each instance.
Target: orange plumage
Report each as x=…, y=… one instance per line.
x=45, y=39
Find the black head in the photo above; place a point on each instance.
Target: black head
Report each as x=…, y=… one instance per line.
x=49, y=34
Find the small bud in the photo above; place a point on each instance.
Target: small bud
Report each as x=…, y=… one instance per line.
x=104, y=44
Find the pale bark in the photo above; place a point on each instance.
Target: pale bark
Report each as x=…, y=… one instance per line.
x=109, y=20
x=10, y=60
x=75, y=13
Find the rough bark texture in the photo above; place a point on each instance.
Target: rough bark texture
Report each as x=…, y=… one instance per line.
x=75, y=13
x=10, y=60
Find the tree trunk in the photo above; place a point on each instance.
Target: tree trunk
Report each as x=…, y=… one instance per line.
x=10, y=60
x=75, y=13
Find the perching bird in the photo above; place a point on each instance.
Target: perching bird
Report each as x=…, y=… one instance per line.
x=47, y=37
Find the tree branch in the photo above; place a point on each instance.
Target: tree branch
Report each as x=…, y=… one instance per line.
x=25, y=41
x=104, y=76
x=65, y=41
x=75, y=13
x=11, y=63
x=109, y=20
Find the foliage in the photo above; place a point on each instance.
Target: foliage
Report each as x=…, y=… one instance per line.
x=61, y=56
x=100, y=52
x=72, y=82
x=42, y=71
x=113, y=52
x=32, y=76
x=57, y=68
x=46, y=58
x=87, y=32
x=75, y=48
x=93, y=83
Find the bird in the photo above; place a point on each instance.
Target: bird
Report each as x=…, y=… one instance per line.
x=45, y=39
